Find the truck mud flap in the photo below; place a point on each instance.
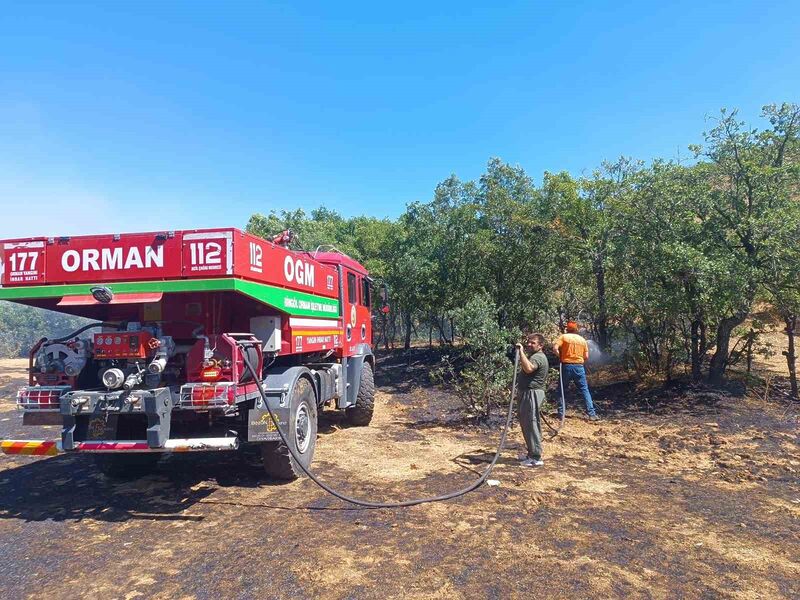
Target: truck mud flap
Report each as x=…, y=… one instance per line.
x=261, y=427
x=278, y=386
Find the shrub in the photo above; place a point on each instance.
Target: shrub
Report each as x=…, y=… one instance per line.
x=479, y=369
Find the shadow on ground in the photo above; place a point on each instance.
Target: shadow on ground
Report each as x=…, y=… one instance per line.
x=71, y=488
x=403, y=374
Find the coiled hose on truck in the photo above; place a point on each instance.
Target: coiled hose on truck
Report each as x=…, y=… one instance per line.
x=369, y=504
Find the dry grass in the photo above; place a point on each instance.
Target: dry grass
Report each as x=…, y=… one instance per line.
x=676, y=497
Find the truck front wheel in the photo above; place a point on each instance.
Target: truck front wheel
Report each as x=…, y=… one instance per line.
x=302, y=435
x=361, y=412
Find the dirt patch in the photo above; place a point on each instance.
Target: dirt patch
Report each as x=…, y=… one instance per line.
x=667, y=497
x=13, y=373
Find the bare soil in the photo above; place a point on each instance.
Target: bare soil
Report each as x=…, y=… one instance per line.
x=680, y=491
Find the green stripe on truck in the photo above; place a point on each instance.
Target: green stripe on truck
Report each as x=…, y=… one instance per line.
x=288, y=301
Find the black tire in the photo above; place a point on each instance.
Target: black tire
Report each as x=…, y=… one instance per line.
x=277, y=460
x=361, y=413
x=126, y=466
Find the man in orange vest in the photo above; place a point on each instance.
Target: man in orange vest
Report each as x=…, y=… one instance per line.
x=573, y=351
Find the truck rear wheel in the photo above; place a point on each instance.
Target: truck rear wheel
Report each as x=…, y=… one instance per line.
x=361, y=412
x=278, y=461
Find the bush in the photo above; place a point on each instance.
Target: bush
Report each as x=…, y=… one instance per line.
x=479, y=370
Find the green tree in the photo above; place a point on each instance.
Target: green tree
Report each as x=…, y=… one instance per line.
x=660, y=270
x=22, y=326
x=671, y=257
x=514, y=241
x=751, y=177
x=483, y=378
x=582, y=213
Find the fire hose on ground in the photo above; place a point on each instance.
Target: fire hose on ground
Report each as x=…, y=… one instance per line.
x=369, y=504
x=447, y=496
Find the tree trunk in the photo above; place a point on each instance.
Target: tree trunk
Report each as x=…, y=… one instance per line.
x=748, y=349
x=656, y=351
x=440, y=326
x=699, y=345
x=698, y=341
x=699, y=348
x=393, y=330
x=719, y=362
x=669, y=366
x=791, y=357
x=383, y=331
x=407, y=343
x=601, y=320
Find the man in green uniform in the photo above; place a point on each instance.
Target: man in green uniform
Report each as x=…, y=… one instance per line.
x=532, y=382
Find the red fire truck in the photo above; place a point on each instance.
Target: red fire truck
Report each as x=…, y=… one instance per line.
x=161, y=367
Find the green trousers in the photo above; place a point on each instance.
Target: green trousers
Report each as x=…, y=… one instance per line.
x=529, y=409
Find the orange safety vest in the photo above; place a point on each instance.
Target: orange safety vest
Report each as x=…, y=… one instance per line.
x=572, y=349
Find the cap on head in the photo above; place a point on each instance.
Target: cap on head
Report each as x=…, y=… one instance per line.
x=572, y=327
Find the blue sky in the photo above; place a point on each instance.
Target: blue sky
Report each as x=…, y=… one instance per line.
x=161, y=115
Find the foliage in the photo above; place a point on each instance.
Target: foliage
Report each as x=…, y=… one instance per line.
x=482, y=380
x=662, y=263
x=22, y=326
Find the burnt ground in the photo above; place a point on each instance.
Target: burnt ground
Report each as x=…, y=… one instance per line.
x=679, y=492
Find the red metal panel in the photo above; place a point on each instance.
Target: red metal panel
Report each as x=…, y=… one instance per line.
x=173, y=255
x=208, y=253
x=136, y=344
x=313, y=334
x=97, y=258
x=342, y=259
x=263, y=261
x=22, y=262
